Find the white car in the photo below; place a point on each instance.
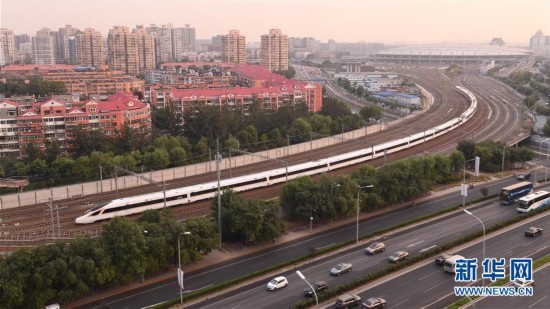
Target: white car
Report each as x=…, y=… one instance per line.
x=277, y=283
x=521, y=283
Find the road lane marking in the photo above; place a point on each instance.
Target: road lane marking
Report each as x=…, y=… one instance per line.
x=538, y=301
x=429, y=248
x=422, y=278
x=414, y=244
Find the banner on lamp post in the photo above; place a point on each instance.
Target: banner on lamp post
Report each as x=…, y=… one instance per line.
x=180, y=278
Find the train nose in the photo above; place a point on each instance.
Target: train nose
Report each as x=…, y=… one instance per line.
x=79, y=220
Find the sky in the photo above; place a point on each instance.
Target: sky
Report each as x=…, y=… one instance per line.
x=383, y=21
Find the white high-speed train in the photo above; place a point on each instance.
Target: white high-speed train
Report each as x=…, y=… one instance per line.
x=137, y=204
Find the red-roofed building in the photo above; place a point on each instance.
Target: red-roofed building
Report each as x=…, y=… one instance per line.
x=53, y=120
x=256, y=84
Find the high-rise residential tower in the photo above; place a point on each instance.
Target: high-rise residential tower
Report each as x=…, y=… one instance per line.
x=146, y=49
x=234, y=47
x=163, y=42
x=183, y=41
x=122, y=50
x=274, y=50
x=89, y=48
x=130, y=52
x=7, y=47
x=44, y=47
x=62, y=41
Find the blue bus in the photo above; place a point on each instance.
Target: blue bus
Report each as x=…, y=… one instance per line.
x=511, y=194
x=534, y=201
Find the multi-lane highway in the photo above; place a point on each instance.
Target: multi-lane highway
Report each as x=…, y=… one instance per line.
x=427, y=285
x=277, y=255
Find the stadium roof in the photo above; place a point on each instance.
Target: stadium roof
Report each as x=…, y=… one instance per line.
x=456, y=50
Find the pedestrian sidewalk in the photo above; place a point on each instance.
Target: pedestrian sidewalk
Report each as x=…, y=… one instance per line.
x=228, y=253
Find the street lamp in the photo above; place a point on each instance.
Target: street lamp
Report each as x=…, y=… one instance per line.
x=483, y=226
x=357, y=229
x=299, y=273
x=180, y=272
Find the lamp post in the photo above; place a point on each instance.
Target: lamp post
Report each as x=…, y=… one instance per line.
x=180, y=272
x=483, y=226
x=358, y=206
x=299, y=273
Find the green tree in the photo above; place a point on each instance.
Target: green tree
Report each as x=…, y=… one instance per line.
x=125, y=242
x=39, y=167
x=468, y=148
x=334, y=108
x=167, y=120
x=158, y=159
x=178, y=156
x=369, y=112
x=53, y=150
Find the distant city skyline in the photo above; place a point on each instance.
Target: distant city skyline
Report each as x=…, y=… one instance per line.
x=389, y=21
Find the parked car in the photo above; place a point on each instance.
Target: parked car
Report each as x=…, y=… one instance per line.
x=347, y=301
x=375, y=247
x=319, y=286
x=533, y=231
x=398, y=256
x=521, y=283
x=440, y=259
x=374, y=303
x=340, y=269
x=277, y=283
x=525, y=176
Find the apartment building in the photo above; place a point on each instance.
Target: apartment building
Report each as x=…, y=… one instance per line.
x=9, y=139
x=234, y=47
x=78, y=82
x=44, y=47
x=54, y=120
x=257, y=84
x=7, y=47
x=274, y=50
x=130, y=52
x=64, y=36
x=90, y=49
x=146, y=49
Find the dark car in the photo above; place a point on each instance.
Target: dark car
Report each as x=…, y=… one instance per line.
x=347, y=301
x=374, y=303
x=533, y=231
x=319, y=286
x=440, y=259
x=525, y=176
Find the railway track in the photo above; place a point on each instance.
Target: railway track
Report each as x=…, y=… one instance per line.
x=30, y=222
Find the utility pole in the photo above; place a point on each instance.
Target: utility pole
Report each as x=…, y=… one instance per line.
x=50, y=205
x=218, y=160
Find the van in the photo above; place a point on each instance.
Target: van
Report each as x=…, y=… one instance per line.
x=450, y=264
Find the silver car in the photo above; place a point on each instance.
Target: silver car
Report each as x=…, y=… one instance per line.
x=375, y=247
x=398, y=256
x=340, y=269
